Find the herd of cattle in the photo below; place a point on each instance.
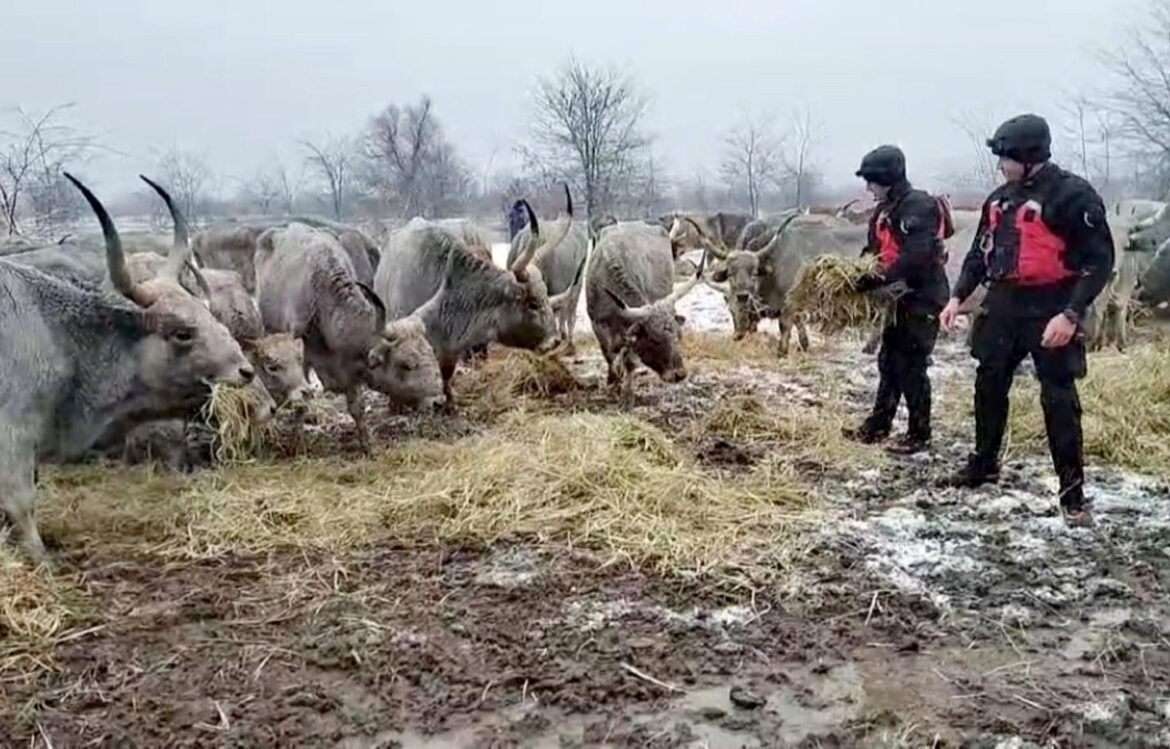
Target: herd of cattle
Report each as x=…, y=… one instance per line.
x=108, y=334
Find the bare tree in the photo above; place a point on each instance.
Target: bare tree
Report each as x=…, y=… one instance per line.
x=587, y=130
x=802, y=173
x=32, y=158
x=411, y=164
x=1139, y=101
x=331, y=160
x=188, y=178
x=751, y=160
x=983, y=174
x=1090, y=129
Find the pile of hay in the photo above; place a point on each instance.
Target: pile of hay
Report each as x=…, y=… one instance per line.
x=34, y=612
x=1126, y=412
x=240, y=422
x=824, y=294
x=612, y=484
x=495, y=386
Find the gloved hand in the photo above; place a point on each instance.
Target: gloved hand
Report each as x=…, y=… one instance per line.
x=868, y=282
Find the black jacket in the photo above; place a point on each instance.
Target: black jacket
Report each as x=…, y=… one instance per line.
x=1072, y=210
x=914, y=219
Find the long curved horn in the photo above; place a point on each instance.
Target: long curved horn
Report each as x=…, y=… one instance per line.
x=564, y=295
x=631, y=314
x=686, y=288
x=200, y=281
x=841, y=211
x=181, y=250
x=549, y=247
x=767, y=249
x=115, y=257
x=708, y=243
x=525, y=257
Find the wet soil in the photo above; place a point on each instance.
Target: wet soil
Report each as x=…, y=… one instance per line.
x=919, y=616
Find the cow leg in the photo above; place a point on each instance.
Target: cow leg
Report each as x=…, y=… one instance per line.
x=447, y=370
x=871, y=345
x=785, y=324
x=568, y=323
x=354, y=404
x=18, y=497
x=626, y=367
x=802, y=333
x=1118, y=324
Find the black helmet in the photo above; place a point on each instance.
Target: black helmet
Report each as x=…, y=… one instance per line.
x=884, y=165
x=1025, y=139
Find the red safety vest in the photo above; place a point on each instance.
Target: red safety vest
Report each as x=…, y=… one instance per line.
x=890, y=247
x=1040, y=255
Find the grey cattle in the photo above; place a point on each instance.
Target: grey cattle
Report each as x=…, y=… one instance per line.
x=80, y=363
x=232, y=246
x=630, y=296
x=757, y=276
x=1106, y=320
x=307, y=288
x=722, y=229
x=428, y=274
x=560, y=260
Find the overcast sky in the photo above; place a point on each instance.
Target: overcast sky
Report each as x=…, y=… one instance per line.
x=239, y=82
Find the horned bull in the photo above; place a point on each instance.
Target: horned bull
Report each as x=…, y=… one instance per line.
x=560, y=263
x=428, y=274
x=80, y=363
x=630, y=298
x=307, y=288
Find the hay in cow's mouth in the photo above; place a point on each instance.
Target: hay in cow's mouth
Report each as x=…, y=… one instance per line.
x=824, y=294
x=230, y=414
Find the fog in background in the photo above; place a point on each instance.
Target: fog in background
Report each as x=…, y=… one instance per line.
x=240, y=83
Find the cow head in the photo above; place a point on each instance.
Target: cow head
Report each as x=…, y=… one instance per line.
x=527, y=320
x=232, y=305
x=401, y=362
x=186, y=348
x=740, y=278
x=653, y=332
x=280, y=361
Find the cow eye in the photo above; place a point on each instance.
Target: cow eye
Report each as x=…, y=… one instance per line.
x=183, y=336
x=407, y=366
x=271, y=367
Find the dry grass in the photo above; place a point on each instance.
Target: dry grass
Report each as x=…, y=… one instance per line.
x=497, y=385
x=797, y=435
x=35, y=610
x=610, y=483
x=1126, y=403
x=824, y=293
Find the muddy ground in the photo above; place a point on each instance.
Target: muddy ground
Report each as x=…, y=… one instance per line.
x=915, y=616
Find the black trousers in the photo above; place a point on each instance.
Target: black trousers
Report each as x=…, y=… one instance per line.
x=907, y=342
x=1000, y=341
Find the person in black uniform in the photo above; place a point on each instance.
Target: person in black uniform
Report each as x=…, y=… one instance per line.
x=905, y=234
x=1044, y=247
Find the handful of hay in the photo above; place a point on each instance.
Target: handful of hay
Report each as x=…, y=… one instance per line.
x=240, y=419
x=824, y=293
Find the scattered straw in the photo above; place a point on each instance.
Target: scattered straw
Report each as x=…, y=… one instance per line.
x=807, y=435
x=824, y=293
x=494, y=386
x=1126, y=411
x=34, y=610
x=610, y=483
x=239, y=420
